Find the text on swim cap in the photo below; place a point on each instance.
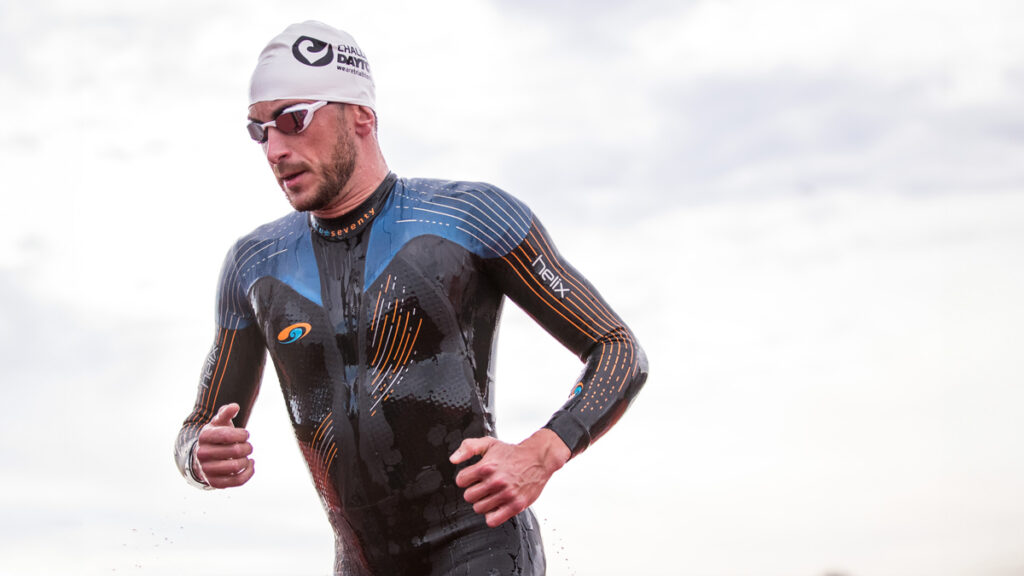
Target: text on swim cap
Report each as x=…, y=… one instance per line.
x=313, y=52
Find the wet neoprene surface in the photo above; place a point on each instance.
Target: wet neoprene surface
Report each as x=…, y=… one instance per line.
x=381, y=326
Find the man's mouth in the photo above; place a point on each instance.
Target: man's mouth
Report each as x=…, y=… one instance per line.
x=290, y=178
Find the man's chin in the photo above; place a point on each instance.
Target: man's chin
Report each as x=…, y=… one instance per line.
x=300, y=202
x=305, y=200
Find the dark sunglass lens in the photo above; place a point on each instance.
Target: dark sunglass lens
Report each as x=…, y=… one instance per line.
x=291, y=122
x=257, y=132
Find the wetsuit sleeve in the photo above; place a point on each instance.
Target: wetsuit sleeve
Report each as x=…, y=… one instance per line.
x=536, y=277
x=233, y=368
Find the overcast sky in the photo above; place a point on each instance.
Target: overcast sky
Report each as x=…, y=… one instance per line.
x=811, y=214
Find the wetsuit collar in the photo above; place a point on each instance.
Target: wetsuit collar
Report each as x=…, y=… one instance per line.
x=348, y=224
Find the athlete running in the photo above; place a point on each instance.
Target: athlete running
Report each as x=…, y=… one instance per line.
x=378, y=301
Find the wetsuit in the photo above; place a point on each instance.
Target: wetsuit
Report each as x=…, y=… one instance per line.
x=381, y=326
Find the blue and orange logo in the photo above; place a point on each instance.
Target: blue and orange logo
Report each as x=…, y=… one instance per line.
x=577, y=390
x=293, y=333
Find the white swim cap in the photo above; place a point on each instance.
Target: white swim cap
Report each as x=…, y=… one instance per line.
x=313, y=61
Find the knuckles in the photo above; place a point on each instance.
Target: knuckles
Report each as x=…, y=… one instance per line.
x=241, y=450
x=229, y=476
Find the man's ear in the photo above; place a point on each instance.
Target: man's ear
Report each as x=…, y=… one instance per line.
x=364, y=119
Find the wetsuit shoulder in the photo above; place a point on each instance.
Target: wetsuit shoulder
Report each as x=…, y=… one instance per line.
x=482, y=218
x=476, y=195
x=281, y=249
x=283, y=227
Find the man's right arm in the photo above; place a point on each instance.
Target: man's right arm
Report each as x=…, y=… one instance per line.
x=231, y=375
x=214, y=432
x=212, y=442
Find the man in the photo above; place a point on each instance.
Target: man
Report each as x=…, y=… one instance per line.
x=378, y=300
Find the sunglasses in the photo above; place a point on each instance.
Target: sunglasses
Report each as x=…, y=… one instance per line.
x=291, y=120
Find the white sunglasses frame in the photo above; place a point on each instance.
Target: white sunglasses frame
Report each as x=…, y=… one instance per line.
x=310, y=108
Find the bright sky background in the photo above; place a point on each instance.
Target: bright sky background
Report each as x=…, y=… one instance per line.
x=811, y=212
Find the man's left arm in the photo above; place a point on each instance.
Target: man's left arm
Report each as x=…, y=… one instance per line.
x=510, y=477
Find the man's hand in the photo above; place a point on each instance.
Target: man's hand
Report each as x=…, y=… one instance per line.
x=221, y=457
x=508, y=477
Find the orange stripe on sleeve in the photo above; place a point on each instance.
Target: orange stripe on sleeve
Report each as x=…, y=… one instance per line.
x=220, y=357
x=564, y=306
x=527, y=284
x=225, y=369
x=556, y=263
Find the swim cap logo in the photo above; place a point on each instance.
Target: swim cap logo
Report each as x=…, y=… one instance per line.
x=293, y=333
x=305, y=47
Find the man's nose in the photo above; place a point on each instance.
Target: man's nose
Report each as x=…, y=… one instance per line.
x=276, y=146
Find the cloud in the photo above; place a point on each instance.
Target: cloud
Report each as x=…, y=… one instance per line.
x=642, y=107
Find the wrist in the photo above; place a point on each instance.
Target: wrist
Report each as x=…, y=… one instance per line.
x=193, y=470
x=551, y=450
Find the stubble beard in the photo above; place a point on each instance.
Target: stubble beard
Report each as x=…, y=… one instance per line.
x=334, y=177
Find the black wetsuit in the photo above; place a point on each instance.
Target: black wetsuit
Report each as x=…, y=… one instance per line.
x=381, y=326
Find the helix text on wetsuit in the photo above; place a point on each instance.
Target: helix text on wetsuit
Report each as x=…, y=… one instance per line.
x=553, y=280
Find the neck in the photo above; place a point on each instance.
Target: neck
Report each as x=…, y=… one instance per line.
x=365, y=179
x=358, y=218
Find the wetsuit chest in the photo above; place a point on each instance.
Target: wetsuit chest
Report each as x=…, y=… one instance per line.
x=383, y=354
x=341, y=264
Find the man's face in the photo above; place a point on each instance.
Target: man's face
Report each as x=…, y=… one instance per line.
x=313, y=166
